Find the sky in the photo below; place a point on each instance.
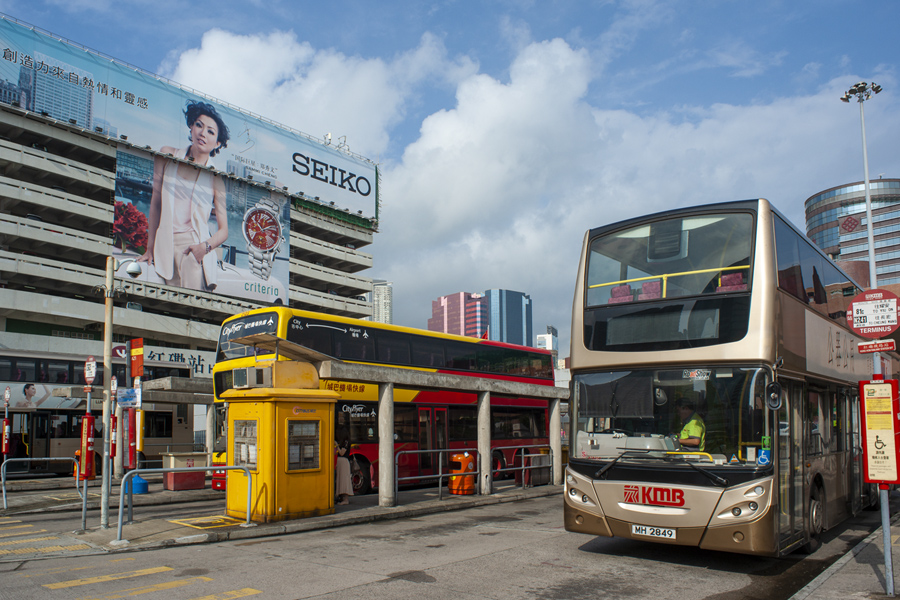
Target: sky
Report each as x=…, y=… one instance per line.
x=505, y=130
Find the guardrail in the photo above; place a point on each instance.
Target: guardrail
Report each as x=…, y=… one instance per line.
x=130, y=474
x=441, y=475
x=28, y=460
x=526, y=466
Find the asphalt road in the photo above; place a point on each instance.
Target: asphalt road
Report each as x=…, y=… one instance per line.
x=498, y=552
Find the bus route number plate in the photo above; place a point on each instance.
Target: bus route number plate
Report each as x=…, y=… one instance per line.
x=657, y=532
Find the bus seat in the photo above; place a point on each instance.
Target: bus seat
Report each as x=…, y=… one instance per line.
x=732, y=282
x=621, y=293
x=650, y=290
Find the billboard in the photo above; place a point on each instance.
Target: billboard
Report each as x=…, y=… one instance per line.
x=183, y=177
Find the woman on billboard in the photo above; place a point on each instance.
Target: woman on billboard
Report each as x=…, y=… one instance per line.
x=179, y=243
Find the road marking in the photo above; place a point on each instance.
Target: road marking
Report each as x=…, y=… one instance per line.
x=105, y=578
x=7, y=520
x=169, y=585
x=72, y=496
x=210, y=522
x=29, y=540
x=45, y=549
x=54, y=571
x=232, y=594
x=7, y=535
x=15, y=527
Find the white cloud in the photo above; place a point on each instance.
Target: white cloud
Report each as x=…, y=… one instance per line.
x=498, y=190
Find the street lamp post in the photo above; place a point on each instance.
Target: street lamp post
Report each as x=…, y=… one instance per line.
x=862, y=91
x=109, y=291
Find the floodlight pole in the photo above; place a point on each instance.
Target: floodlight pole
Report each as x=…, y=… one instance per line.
x=863, y=91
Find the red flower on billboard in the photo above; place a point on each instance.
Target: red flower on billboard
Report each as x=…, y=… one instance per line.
x=130, y=228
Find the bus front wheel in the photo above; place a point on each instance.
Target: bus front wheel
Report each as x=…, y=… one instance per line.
x=816, y=520
x=360, y=476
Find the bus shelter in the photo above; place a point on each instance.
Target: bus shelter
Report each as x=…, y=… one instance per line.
x=386, y=378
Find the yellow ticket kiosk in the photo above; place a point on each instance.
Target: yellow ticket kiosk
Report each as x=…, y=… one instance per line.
x=281, y=426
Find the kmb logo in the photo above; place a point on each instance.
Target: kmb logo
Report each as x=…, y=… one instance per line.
x=653, y=496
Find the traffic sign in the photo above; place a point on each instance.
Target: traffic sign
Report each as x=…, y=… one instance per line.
x=877, y=346
x=873, y=314
x=90, y=370
x=6, y=397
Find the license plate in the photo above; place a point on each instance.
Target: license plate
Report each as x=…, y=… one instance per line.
x=657, y=532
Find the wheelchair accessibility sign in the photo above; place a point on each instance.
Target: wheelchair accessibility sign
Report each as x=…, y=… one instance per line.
x=764, y=458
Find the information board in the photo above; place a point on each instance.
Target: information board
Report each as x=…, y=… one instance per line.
x=873, y=314
x=880, y=441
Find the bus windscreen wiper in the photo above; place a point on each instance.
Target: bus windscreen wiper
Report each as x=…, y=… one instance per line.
x=611, y=463
x=712, y=476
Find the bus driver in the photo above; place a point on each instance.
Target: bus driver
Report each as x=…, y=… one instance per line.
x=693, y=429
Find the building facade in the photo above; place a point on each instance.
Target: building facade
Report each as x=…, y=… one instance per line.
x=72, y=185
x=510, y=317
x=382, y=301
x=836, y=222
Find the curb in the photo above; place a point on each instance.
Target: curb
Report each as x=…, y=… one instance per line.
x=823, y=577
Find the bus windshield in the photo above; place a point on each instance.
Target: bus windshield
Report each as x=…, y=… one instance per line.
x=683, y=256
x=656, y=412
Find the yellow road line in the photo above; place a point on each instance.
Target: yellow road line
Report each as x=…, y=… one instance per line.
x=169, y=585
x=44, y=549
x=7, y=535
x=232, y=594
x=7, y=520
x=29, y=540
x=105, y=578
x=54, y=571
x=16, y=527
x=210, y=522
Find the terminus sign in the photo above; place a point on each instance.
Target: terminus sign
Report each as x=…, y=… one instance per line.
x=653, y=496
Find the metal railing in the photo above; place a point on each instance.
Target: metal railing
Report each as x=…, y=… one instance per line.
x=28, y=460
x=440, y=475
x=130, y=488
x=525, y=466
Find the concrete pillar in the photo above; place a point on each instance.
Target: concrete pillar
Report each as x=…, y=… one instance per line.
x=556, y=441
x=386, y=494
x=210, y=431
x=484, y=443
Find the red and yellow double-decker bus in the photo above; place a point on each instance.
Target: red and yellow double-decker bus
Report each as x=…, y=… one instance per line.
x=423, y=419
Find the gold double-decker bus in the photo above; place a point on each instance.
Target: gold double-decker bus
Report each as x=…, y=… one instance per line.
x=714, y=384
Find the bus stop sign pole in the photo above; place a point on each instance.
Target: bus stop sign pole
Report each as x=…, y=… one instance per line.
x=881, y=450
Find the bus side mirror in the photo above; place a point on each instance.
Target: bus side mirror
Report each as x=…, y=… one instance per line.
x=773, y=395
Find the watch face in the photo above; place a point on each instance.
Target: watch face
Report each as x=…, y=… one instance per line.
x=262, y=229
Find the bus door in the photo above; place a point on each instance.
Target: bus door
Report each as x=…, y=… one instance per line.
x=790, y=465
x=19, y=441
x=432, y=436
x=854, y=452
x=40, y=442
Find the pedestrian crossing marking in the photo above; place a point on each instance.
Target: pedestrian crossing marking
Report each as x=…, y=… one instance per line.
x=105, y=578
x=29, y=540
x=8, y=535
x=229, y=595
x=210, y=522
x=146, y=589
x=44, y=549
x=54, y=571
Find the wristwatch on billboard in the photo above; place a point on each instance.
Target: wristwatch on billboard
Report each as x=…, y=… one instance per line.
x=262, y=230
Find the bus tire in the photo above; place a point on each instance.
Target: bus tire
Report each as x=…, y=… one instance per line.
x=498, y=463
x=360, y=476
x=816, y=520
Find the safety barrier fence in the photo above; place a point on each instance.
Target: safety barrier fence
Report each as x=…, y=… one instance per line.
x=130, y=490
x=523, y=456
x=30, y=460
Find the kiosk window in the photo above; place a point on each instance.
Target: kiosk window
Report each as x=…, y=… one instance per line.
x=245, y=444
x=303, y=445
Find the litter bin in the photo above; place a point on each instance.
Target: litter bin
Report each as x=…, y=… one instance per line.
x=462, y=463
x=219, y=476
x=184, y=481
